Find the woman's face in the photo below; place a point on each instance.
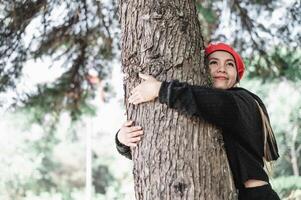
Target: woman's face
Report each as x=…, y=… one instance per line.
x=222, y=69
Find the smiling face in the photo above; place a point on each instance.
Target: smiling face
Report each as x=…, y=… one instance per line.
x=222, y=69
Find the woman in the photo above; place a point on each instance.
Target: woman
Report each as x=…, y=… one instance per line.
x=240, y=114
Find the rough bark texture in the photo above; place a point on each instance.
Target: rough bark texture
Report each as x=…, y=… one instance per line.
x=180, y=157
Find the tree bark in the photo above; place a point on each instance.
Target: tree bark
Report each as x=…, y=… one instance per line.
x=180, y=157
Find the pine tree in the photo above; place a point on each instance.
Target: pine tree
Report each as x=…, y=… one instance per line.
x=180, y=157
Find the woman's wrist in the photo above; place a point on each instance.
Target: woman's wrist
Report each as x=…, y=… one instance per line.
x=158, y=86
x=117, y=140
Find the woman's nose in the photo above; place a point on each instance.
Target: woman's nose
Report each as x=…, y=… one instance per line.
x=222, y=68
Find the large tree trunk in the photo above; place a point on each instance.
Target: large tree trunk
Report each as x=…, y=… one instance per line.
x=180, y=157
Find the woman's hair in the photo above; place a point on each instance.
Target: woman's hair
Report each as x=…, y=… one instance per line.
x=269, y=139
x=270, y=145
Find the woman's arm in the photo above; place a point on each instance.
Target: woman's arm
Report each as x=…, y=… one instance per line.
x=216, y=106
x=128, y=136
x=123, y=149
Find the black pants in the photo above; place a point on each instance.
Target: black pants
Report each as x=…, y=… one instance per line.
x=264, y=192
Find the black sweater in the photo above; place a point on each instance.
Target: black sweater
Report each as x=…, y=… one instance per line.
x=234, y=111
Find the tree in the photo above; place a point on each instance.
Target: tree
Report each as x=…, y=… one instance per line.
x=180, y=157
x=84, y=34
x=257, y=27
x=79, y=34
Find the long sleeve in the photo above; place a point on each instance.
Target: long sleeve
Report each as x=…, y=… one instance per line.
x=236, y=112
x=123, y=149
x=216, y=106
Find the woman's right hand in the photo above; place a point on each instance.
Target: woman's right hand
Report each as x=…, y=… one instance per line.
x=130, y=135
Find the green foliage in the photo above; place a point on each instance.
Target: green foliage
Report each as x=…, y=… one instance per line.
x=43, y=162
x=208, y=14
x=256, y=27
x=56, y=99
x=101, y=175
x=289, y=186
x=284, y=63
x=81, y=35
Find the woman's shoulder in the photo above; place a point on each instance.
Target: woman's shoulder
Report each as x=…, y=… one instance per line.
x=243, y=96
x=244, y=92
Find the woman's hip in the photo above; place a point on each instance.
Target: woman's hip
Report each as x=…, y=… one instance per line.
x=264, y=192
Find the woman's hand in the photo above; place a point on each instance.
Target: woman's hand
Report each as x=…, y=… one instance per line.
x=145, y=91
x=130, y=135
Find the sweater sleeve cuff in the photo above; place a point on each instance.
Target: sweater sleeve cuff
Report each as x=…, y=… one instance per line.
x=123, y=149
x=163, y=92
x=118, y=143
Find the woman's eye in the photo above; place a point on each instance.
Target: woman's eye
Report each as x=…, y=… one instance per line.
x=212, y=63
x=231, y=64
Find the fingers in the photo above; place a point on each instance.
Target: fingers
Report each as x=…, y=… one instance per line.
x=145, y=91
x=142, y=85
x=137, y=101
x=132, y=138
x=132, y=129
x=135, y=139
x=135, y=90
x=136, y=98
x=128, y=127
x=146, y=76
x=130, y=135
x=135, y=134
x=133, y=96
x=132, y=145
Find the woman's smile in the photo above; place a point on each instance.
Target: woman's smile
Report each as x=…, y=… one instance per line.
x=220, y=78
x=222, y=69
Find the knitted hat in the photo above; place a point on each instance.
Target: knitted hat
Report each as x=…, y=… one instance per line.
x=225, y=47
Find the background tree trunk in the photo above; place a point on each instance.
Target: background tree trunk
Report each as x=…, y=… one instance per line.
x=294, y=151
x=180, y=157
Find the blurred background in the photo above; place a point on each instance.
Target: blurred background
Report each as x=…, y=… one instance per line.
x=61, y=92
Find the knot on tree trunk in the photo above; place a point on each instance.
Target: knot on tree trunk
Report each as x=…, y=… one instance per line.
x=180, y=187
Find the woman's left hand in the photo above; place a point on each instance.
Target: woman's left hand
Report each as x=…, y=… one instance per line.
x=145, y=91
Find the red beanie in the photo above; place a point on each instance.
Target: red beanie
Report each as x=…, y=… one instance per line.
x=225, y=47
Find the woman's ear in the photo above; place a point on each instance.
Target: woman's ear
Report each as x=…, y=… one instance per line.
x=236, y=84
